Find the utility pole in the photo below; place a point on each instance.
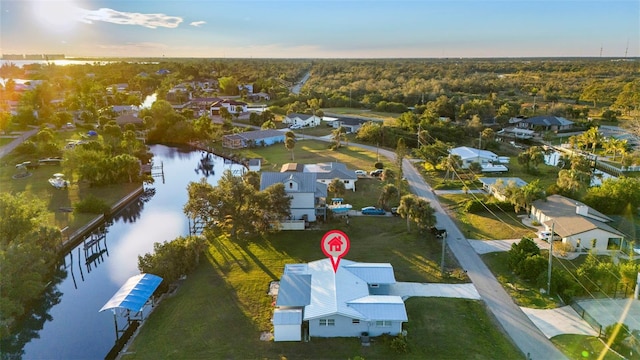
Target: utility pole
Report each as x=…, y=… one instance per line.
x=553, y=224
x=444, y=246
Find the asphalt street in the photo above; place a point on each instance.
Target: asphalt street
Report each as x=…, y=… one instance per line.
x=522, y=331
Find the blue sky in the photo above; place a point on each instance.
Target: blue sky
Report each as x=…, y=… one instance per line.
x=321, y=29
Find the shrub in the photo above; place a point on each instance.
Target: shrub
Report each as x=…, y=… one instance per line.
x=378, y=165
x=562, y=248
x=399, y=344
x=92, y=205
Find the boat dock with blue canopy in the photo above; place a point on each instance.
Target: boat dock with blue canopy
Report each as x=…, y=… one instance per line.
x=132, y=297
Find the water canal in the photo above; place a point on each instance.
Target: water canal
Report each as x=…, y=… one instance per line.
x=66, y=324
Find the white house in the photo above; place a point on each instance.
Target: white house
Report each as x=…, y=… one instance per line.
x=496, y=186
x=326, y=172
x=346, y=303
x=302, y=120
x=232, y=106
x=577, y=224
x=306, y=193
x=489, y=161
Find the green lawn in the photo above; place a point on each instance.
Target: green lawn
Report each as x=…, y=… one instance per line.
x=37, y=185
x=221, y=309
x=484, y=225
x=583, y=347
x=388, y=118
x=313, y=151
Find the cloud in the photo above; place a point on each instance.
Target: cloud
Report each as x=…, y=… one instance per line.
x=151, y=21
x=198, y=23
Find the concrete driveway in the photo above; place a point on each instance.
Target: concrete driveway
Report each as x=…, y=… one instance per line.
x=411, y=289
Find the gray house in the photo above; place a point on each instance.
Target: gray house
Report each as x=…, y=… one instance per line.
x=546, y=123
x=305, y=191
x=347, y=303
x=326, y=172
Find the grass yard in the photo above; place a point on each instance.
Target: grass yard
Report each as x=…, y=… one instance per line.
x=583, y=347
x=388, y=118
x=221, y=309
x=484, y=225
x=313, y=151
x=58, y=200
x=522, y=293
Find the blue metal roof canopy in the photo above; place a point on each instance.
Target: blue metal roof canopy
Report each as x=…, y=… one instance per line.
x=133, y=295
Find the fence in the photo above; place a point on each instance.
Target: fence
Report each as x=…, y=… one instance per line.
x=588, y=318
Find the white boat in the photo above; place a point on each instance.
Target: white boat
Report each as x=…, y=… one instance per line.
x=58, y=181
x=338, y=207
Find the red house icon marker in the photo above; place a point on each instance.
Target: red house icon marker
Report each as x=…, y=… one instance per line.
x=335, y=244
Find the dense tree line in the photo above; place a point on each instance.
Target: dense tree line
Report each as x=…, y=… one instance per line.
x=27, y=255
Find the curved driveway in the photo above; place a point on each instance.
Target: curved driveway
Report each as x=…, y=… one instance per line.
x=523, y=332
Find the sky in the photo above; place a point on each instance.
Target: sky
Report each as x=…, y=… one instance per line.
x=321, y=29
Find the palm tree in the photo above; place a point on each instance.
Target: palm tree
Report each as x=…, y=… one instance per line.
x=389, y=191
x=451, y=163
x=407, y=208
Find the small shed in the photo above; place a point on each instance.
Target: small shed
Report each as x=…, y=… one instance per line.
x=287, y=325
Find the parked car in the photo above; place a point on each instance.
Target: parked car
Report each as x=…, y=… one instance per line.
x=545, y=235
x=361, y=173
x=440, y=233
x=295, y=127
x=376, y=172
x=372, y=210
x=394, y=211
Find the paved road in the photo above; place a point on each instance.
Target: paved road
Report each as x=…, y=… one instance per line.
x=523, y=332
x=4, y=150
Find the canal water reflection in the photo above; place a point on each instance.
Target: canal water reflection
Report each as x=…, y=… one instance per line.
x=66, y=324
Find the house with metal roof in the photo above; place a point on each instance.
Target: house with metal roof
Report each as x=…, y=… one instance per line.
x=489, y=161
x=577, y=224
x=305, y=191
x=253, y=138
x=302, y=120
x=546, y=123
x=496, y=185
x=346, y=303
x=326, y=172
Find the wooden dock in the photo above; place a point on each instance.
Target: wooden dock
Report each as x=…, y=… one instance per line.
x=78, y=236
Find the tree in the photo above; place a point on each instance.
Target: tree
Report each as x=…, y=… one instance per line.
x=389, y=191
x=336, y=187
x=592, y=137
x=523, y=197
x=401, y=153
x=337, y=136
x=27, y=254
x=531, y=158
x=290, y=141
x=615, y=196
x=433, y=153
x=228, y=85
x=417, y=210
x=235, y=207
x=451, y=164
x=406, y=208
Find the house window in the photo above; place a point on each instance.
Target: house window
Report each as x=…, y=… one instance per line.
x=614, y=244
x=383, y=323
x=327, y=322
x=355, y=321
x=375, y=285
x=346, y=181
